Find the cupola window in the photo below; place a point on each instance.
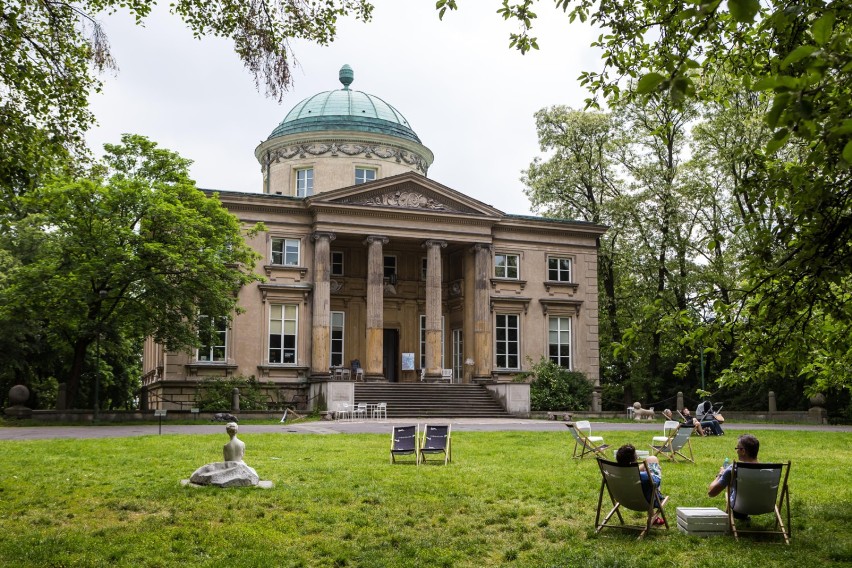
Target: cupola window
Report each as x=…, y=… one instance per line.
x=304, y=182
x=363, y=175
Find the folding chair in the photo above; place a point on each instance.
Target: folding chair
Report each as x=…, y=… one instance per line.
x=755, y=490
x=404, y=442
x=624, y=486
x=436, y=440
x=581, y=430
x=676, y=441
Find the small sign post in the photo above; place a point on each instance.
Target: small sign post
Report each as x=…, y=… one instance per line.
x=159, y=414
x=195, y=412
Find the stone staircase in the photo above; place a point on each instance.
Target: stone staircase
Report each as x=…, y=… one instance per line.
x=432, y=400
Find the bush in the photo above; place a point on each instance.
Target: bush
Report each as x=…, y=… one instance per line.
x=556, y=388
x=214, y=394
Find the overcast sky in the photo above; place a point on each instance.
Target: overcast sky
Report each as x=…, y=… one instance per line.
x=468, y=96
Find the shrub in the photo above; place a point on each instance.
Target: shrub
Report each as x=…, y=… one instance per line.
x=214, y=394
x=557, y=388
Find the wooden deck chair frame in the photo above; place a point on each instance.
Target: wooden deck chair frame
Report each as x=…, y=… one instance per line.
x=675, y=444
x=771, y=480
x=624, y=487
x=405, y=441
x=437, y=439
x=586, y=445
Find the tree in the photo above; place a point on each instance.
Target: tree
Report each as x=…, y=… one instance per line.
x=130, y=251
x=51, y=53
x=799, y=55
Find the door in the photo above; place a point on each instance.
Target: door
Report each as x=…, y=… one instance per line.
x=390, y=355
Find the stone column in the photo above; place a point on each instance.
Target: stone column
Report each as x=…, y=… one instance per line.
x=482, y=347
x=321, y=329
x=679, y=405
x=375, y=306
x=433, y=307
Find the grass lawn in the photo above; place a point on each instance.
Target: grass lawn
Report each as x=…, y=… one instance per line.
x=507, y=499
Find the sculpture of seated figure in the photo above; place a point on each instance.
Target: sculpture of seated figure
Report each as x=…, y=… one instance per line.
x=233, y=472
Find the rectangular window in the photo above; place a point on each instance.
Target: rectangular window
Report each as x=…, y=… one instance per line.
x=424, y=269
x=390, y=266
x=336, y=263
x=214, y=339
x=305, y=182
x=423, y=342
x=506, y=266
x=363, y=175
x=559, y=269
x=507, y=344
x=283, y=330
x=559, y=340
x=337, y=321
x=458, y=355
x=285, y=252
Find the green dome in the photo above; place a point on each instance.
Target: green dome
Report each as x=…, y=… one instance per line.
x=345, y=109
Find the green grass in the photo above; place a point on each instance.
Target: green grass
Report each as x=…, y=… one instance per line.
x=508, y=499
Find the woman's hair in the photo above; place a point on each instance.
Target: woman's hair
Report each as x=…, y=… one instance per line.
x=626, y=454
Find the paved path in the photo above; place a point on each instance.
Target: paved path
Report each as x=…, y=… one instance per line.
x=365, y=427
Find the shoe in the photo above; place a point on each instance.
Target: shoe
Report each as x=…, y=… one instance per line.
x=659, y=521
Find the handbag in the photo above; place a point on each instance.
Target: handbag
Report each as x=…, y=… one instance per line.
x=719, y=418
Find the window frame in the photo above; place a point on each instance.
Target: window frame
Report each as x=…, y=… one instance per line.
x=303, y=187
x=334, y=263
x=341, y=340
x=559, y=271
x=505, y=266
x=385, y=265
x=422, y=341
x=222, y=333
x=365, y=169
x=283, y=253
x=507, y=342
x=560, y=344
x=283, y=348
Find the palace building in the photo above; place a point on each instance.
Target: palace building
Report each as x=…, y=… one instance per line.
x=374, y=272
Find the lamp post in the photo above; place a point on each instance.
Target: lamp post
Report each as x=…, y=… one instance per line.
x=102, y=294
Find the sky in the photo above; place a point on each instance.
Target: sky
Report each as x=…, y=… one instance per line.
x=470, y=98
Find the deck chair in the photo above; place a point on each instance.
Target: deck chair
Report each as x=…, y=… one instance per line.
x=759, y=489
x=404, y=442
x=674, y=445
x=588, y=444
x=668, y=429
x=436, y=440
x=624, y=486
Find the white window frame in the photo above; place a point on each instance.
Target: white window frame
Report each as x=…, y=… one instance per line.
x=285, y=252
x=458, y=354
x=361, y=174
x=423, y=341
x=560, y=338
x=337, y=344
x=503, y=266
x=304, y=186
x=562, y=274
x=511, y=347
x=280, y=353
x=207, y=353
x=337, y=259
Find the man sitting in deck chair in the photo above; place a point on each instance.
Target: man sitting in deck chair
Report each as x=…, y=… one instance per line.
x=633, y=486
x=404, y=442
x=753, y=487
x=436, y=440
x=674, y=443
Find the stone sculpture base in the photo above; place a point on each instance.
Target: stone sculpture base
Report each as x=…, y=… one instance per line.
x=225, y=474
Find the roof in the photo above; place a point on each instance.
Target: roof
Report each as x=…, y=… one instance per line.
x=345, y=109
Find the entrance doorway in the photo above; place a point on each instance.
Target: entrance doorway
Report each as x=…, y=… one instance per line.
x=390, y=355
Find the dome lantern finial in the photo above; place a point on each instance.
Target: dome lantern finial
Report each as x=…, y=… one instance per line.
x=346, y=76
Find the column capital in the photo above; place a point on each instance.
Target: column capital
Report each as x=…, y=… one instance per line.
x=317, y=235
x=376, y=239
x=480, y=246
x=434, y=243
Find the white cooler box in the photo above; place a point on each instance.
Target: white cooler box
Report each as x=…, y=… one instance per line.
x=702, y=521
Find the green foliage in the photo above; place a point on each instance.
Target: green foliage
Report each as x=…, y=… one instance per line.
x=216, y=394
x=338, y=502
x=556, y=388
x=130, y=251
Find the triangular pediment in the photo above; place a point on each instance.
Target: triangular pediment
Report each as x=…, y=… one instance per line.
x=407, y=191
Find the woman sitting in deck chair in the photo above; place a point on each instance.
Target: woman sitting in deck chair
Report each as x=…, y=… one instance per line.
x=649, y=472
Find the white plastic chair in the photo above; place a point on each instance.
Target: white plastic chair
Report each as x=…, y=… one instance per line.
x=360, y=411
x=669, y=427
x=380, y=412
x=342, y=412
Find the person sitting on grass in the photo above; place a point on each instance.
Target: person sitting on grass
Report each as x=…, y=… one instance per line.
x=649, y=473
x=747, y=448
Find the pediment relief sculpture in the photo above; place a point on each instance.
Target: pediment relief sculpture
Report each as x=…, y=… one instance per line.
x=406, y=198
